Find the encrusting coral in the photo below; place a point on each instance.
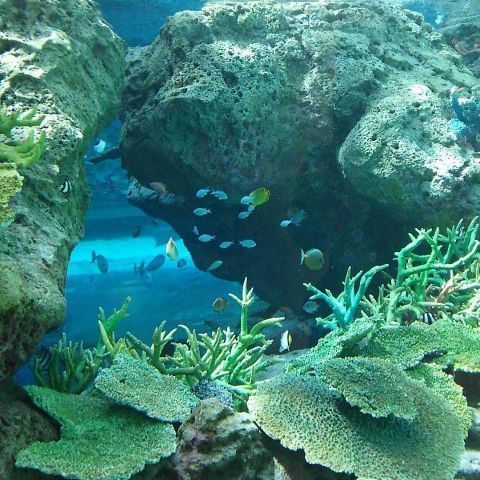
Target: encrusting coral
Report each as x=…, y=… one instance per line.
x=98, y=440
x=140, y=386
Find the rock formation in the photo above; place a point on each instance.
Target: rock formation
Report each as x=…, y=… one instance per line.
x=62, y=58
x=244, y=95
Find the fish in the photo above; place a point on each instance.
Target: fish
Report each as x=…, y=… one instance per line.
x=102, y=262
x=155, y=263
x=203, y=192
x=439, y=19
x=247, y=243
x=428, y=318
x=246, y=200
x=195, y=230
x=285, y=223
x=206, y=238
x=181, y=263
x=53, y=169
x=220, y=194
x=251, y=208
x=65, y=186
x=259, y=196
x=226, y=244
x=200, y=212
x=298, y=216
x=214, y=265
x=313, y=259
x=285, y=341
x=136, y=231
x=310, y=306
x=219, y=305
x=244, y=215
x=42, y=360
x=99, y=145
x=461, y=46
x=171, y=249
x=159, y=187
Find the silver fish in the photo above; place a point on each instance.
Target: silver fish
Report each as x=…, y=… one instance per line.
x=285, y=341
x=220, y=194
x=202, y=192
x=243, y=215
x=251, y=208
x=206, y=238
x=246, y=200
x=99, y=146
x=214, y=265
x=200, y=212
x=285, y=223
x=310, y=306
x=226, y=244
x=195, y=230
x=247, y=243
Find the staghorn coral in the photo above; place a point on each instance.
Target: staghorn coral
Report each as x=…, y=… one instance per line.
x=140, y=386
x=303, y=412
x=98, y=440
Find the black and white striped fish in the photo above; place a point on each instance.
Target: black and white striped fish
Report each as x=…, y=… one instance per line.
x=66, y=186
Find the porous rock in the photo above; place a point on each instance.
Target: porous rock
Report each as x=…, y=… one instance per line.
x=216, y=442
x=250, y=94
x=61, y=57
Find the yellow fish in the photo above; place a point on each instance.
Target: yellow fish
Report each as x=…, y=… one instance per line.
x=259, y=196
x=285, y=341
x=171, y=249
x=313, y=259
x=219, y=305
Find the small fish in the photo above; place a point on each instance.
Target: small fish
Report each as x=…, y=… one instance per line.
x=428, y=318
x=102, y=262
x=246, y=200
x=298, y=216
x=439, y=19
x=244, y=215
x=159, y=187
x=226, y=244
x=219, y=305
x=310, y=306
x=259, y=196
x=155, y=263
x=171, y=249
x=214, y=265
x=247, y=243
x=220, y=195
x=313, y=259
x=285, y=341
x=136, y=231
x=99, y=145
x=285, y=223
x=203, y=192
x=206, y=238
x=42, y=360
x=251, y=208
x=200, y=212
x=66, y=186
x=181, y=263
x=195, y=230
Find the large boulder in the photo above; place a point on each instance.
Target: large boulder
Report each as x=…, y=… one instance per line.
x=244, y=95
x=62, y=58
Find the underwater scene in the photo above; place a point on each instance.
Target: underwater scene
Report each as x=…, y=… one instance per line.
x=240, y=240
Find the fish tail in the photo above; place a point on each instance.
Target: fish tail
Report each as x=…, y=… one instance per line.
x=302, y=256
x=94, y=256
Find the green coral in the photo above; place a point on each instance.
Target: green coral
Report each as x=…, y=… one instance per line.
x=14, y=154
x=445, y=386
x=98, y=440
x=140, y=386
x=375, y=387
x=304, y=413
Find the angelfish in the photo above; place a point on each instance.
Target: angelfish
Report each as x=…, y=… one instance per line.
x=171, y=249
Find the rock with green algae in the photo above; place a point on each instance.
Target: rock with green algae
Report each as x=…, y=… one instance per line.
x=10, y=184
x=98, y=440
x=142, y=387
x=304, y=413
x=69, y=65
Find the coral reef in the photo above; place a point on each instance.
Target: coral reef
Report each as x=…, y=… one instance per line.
x=140, y=386
x=216, y=442
x=61, y=58
x=98, y=440
x=251, y=94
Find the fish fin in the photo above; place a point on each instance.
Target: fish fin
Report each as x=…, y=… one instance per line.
x=302, y=256
x=94, y=256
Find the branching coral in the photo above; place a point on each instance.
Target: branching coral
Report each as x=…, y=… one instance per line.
x=98, y=440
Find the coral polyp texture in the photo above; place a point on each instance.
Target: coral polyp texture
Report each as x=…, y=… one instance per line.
x=98, y=440
x=304, y=413
x=140, y=386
